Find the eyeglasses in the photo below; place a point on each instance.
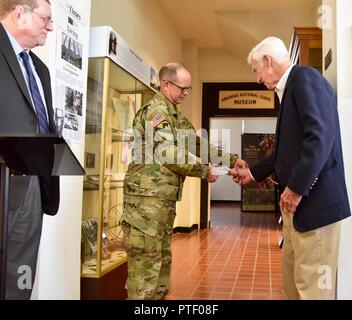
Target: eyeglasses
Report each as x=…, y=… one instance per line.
x=46, y=20
x=185, y=90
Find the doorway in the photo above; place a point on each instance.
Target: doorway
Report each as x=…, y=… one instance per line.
x=227, y=133
x=228, y=124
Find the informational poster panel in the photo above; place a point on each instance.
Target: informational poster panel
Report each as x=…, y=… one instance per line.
x=258, y=196
x=70, y=81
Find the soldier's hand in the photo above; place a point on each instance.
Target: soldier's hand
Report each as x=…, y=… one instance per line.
x=210, y=176
x=234, y=172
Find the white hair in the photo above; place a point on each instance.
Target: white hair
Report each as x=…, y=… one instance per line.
x=270, y=46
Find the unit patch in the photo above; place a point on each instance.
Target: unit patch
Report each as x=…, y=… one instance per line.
x=164, y=131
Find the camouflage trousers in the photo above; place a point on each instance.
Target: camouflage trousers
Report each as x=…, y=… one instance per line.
x=148, y=246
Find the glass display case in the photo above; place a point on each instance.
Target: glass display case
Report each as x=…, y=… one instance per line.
x=113, y=98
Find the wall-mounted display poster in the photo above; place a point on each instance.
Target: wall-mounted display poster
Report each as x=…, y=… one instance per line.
x=70, y=79
x=258, y=196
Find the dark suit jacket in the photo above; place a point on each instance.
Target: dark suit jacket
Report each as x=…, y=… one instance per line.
x=308, y=154
x=17, y=116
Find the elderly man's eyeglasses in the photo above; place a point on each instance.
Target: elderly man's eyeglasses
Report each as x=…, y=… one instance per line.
x=46, y=20
x=185, y=90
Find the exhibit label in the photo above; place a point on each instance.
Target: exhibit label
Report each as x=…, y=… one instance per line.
x=248, y=99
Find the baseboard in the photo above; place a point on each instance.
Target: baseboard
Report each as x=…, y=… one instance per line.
x=185, y=229
x=229, y=201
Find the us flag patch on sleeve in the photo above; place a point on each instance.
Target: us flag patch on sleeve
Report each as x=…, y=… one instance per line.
x=157, y=120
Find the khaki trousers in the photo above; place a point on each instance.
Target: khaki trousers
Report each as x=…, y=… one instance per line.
x=309, y=261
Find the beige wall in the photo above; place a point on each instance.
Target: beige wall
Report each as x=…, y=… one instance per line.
x=143, y=24
x=221, y=65
x=188, y=210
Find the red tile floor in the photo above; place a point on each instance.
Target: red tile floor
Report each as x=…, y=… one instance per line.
x=237, y=258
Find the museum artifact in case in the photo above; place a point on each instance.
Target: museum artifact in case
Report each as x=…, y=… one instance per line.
x=113, y=97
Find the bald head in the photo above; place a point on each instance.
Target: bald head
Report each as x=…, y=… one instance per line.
x=171, y=70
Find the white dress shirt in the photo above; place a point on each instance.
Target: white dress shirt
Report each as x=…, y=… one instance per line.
x=280, y=87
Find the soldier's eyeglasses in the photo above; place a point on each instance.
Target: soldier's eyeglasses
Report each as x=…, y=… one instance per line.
x=185, y=90
x=46, y=20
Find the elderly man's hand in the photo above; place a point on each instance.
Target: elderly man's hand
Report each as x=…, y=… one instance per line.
x=243, y=177
x=239, y=165
x=289, y=201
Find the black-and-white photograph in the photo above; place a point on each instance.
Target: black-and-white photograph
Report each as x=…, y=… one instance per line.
x=71, y=51
x=73, y=101
x=154, y=81
x=90, y=160
x=112, y=43
x=90, y=230
x=59, y=120
x=71, y=122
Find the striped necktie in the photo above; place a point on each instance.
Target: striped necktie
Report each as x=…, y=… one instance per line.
x=37, y=99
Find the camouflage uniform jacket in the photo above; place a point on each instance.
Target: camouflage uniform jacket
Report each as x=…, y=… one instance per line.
x=162, y=155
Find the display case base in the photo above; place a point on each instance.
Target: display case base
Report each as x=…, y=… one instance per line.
x=109, y=287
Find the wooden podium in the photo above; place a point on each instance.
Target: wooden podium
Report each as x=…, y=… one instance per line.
x=32, y=155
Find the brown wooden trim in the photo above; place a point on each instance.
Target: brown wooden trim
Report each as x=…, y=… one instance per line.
x=210, y=109
x=109, y=287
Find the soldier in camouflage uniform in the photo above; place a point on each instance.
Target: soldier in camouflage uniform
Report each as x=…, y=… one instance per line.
x=154, y=181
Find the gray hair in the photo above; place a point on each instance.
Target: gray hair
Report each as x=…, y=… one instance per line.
x=6, y=6
x=270, y=46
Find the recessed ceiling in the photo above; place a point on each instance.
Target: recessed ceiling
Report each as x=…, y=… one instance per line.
x=237, y=25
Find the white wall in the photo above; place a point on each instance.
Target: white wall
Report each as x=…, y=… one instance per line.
x=58, y=274
x=224, y=189
x=264, y=125
x=342, y=34
x=329, y=40
x=226, y=132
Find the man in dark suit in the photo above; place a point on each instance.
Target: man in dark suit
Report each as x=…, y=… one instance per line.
x=308, y=165
x=26, y=107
